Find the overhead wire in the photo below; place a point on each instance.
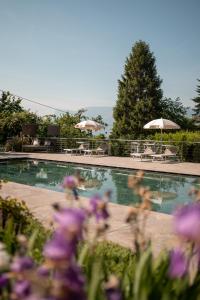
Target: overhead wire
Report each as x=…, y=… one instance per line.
x=36, y=102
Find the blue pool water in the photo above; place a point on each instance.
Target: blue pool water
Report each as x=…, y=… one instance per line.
x=169, y=190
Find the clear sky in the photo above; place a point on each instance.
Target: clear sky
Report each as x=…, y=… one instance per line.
x=70, y=53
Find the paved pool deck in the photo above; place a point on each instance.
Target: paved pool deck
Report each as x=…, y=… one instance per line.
x=113, y=161
x=159, y=226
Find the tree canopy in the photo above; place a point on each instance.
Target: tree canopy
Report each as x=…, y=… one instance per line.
x=174, y=110
x=196, y=100
x=139, y=93
x=10, y=104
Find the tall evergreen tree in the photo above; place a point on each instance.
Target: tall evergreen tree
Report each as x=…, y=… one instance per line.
x=197, y=101
x=139, y=93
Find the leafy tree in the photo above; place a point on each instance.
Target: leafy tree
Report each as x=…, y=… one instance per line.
x=174, y=110
x=67, y=122
x=139, y=93
x=9, y=104
x=11, y=124
x=44, y=122
x=99, y=119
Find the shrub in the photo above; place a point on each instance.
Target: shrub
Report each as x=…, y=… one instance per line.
x=187, y=142
x=16, y=219
x=15, y=144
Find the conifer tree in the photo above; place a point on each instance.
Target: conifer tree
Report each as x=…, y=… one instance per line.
x=197, y=101
x=139, y=93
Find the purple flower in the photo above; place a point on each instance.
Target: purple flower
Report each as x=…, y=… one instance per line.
x=21, y=264
x=113, y=294
x=69, y=182
x=3, y=280
x=43, y=271
x=99, y=208
x=58, y=248
x=178, y=264
x=22, y=288
x=187, y=222
x=72, y=281
x=70, y=221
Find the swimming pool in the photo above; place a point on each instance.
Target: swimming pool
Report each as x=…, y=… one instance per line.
x=169, y=190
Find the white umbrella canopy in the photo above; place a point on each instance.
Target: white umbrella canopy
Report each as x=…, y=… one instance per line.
x=89, y=125
x=161, y=124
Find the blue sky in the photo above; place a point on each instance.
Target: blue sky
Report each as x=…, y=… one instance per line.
x=70, y=53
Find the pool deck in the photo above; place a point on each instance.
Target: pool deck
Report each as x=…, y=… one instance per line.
x=113, y=161
x=158, y=226
x=39, y=201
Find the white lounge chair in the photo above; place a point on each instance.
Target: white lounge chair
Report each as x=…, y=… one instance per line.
x=100, y=150
x=169, y=153
x=79, y=150
x=148, y=152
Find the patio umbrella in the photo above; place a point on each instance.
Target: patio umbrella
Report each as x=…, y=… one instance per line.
x=161, y=124
x=89, y=125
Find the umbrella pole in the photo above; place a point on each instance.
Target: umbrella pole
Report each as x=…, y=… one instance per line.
x=161, y=139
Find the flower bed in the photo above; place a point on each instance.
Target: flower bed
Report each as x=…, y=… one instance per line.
x=75, y=264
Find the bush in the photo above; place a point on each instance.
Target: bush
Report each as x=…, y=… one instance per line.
x=15, y=144
x=16, y=219
x=187, y=142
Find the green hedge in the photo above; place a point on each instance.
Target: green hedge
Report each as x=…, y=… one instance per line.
x=188, y=143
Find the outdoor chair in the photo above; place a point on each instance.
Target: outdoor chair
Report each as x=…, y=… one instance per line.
x=100, y=150
x=148, y=152
x=78, y=150
x=169, y=153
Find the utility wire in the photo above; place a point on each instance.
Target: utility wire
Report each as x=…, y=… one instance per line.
x=35, y=102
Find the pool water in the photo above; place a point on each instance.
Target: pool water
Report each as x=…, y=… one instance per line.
x=169, y=191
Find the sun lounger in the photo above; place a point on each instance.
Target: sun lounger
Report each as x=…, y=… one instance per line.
x=148, y=152
x=79, y=150
x=167, y=154
x=100, y=150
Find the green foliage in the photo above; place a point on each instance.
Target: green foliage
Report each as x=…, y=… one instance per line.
x=43, y=124
x=178, y=136
x=115, y=259
x=9, y=104
x=139, y=93
x=11, y=124
x=174, y=110
x=187, y=142
x=17, y=219
x=67, y=122
x=197, y=101
x=13, y=116
x=15, y=144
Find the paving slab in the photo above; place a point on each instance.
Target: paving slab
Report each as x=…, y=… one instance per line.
x=39, y=201
x=112, y=161
x=119, y=162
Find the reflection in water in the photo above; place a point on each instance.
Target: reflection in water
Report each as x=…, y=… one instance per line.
x=42, y=174
x=168, y=190
x=90, y=184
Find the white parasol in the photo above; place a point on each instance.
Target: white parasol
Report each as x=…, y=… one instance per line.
x=89, y=125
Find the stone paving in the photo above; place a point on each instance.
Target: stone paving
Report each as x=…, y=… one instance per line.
x=113, y=161
x=158, y=226
x=123, y=162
